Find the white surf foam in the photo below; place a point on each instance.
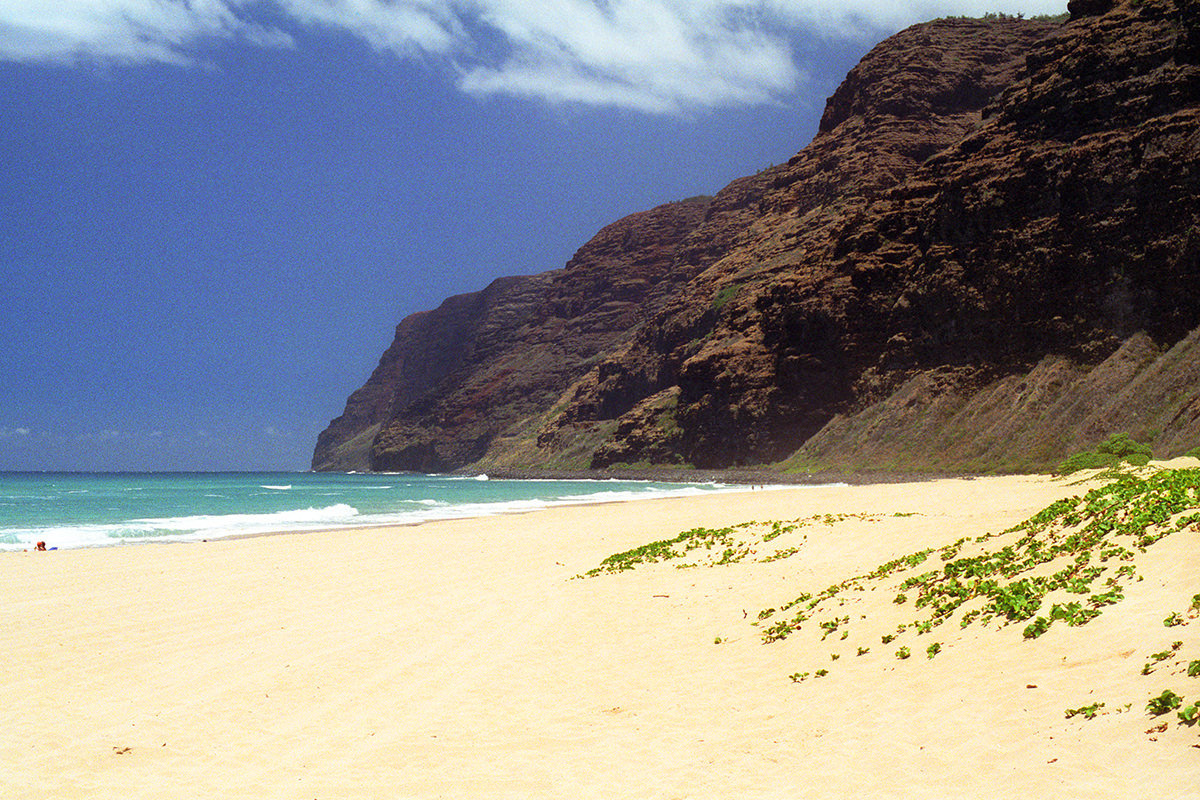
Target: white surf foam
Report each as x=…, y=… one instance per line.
x=176, y=529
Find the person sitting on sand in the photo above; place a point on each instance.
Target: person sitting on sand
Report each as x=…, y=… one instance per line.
x=40, y=546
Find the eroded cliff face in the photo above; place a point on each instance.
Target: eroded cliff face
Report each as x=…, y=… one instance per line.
x=986, y=258
x=481, y=365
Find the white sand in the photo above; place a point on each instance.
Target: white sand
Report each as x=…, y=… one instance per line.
x=459, y=659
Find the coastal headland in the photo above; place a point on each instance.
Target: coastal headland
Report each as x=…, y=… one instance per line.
x=761, y=651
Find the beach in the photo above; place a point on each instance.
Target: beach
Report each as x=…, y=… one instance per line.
x=467, y=659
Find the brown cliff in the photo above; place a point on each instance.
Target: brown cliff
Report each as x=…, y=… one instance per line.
x=479, y=366
x=986, y=258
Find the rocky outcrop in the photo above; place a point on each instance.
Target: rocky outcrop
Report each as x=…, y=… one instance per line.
x=986, y=258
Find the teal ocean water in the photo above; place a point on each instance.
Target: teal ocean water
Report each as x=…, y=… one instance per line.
x=68, y=509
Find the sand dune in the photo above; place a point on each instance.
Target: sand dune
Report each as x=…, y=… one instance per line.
x=464, y=659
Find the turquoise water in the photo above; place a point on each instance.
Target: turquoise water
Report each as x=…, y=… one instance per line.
x=69, y=509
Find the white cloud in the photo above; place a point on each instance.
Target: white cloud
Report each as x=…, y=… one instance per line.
x=122, y=30
x=14, y=433
x=651, y=55
x=405, y=27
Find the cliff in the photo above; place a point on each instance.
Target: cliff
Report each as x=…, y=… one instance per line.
x=986, y=258
x=473, y=372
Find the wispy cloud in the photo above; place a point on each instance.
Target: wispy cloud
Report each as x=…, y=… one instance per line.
x=106, y=435
x=658, y=56
x=14, y=433
x=123, y=30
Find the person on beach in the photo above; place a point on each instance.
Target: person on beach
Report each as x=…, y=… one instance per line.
x=40, y=546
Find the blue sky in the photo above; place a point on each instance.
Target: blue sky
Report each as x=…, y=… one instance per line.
x=213, y=213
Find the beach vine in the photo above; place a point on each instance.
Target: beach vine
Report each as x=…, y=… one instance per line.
x=1082, y=546
x=1064, y=565
x=719, y=546
x=1171, y=660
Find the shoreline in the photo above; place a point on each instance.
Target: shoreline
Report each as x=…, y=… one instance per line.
x=746, y=476
x=746, y=488
x=610, y=490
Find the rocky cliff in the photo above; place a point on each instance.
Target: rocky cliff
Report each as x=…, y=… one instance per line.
x=986, y=258
x=471, y=374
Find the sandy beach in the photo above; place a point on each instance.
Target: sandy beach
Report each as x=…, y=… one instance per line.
x=465, y=659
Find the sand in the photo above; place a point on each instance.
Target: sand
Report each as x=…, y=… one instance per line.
x=462, y=659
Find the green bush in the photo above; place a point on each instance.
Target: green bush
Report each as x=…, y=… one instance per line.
x=1121, y=446
x=1117, y=448
x=722, y=298
x=1085, y=461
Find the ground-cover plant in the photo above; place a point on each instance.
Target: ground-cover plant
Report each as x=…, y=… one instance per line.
x=1087, y=712
x=1077, y=556
x=1167, y=701
x=676, y=547
x=719, y=546
x=786, y=552
x=1079, y=545
x=1073, y=613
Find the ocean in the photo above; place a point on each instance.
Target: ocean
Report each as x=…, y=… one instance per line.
x=72, y=509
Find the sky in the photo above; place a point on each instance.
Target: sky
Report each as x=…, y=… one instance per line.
x=213, y=213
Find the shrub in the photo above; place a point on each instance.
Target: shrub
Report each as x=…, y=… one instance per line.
x=1121, y=446
x=1117, y=448
x=1085, y=461
x=722, y=298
